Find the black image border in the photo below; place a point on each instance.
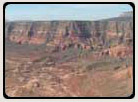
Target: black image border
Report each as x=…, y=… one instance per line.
x=127, y=97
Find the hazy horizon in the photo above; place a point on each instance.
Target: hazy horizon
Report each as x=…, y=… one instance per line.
x=64, y=12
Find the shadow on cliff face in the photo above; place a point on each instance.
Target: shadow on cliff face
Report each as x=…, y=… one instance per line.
x=69, y=58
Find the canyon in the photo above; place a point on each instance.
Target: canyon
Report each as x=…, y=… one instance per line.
x=93, y=33
x=69, y=58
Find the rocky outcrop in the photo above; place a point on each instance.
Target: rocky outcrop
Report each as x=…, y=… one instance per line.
x=118, y=51
x=66, y=33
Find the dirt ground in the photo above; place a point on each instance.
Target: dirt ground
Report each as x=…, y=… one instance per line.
x=42, y=74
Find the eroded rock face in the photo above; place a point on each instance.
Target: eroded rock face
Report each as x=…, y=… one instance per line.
x=118, y=51
x=57, y=33
x=40, y=71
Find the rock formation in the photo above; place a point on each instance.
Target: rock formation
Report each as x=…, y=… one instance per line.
x=106, y=32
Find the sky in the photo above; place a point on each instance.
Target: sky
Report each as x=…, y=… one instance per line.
x=50, y=12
